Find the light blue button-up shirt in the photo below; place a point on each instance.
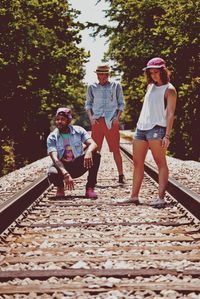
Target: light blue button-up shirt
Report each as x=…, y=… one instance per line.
x=105, y=100
x=77, y=137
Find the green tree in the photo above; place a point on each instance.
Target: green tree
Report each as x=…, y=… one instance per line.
x=41, y=68
x=147, y=28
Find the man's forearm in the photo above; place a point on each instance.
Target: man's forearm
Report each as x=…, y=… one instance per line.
x=91, y=148
x=58, y=163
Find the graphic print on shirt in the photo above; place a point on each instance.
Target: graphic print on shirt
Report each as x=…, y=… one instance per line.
x=68, y=155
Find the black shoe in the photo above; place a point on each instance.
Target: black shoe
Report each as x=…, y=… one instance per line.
x=121, y=179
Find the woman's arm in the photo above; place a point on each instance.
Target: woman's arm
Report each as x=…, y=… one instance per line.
x=171, y=96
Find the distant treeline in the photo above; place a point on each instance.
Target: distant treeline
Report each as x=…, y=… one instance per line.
x=42, y=68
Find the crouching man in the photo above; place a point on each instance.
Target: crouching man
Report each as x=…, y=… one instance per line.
x=65, y=145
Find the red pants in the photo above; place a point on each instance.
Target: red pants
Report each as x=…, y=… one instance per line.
x=100, y=130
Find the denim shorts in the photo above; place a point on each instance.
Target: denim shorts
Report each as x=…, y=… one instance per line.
x=155, y=133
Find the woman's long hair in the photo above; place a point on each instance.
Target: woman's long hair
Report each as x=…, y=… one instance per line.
x=164, y=75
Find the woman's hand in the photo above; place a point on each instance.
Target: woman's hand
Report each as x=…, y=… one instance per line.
x=165, y=142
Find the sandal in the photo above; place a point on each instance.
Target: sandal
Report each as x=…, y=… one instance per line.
x=134, y=201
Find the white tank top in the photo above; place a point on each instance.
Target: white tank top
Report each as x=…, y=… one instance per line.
x=153, y=110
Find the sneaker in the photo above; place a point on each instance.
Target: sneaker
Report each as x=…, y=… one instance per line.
x=90, y=193
x=158, y=203
x=60, y=192
x=121, y=179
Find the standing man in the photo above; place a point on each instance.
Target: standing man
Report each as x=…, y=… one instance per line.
x=104, y=105
x=65, y=145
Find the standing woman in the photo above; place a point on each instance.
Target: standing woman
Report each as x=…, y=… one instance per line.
x=154, y=127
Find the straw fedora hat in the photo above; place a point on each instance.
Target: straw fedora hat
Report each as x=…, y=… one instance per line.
x=102, y=69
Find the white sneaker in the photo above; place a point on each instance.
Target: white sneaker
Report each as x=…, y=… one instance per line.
x=158, y=202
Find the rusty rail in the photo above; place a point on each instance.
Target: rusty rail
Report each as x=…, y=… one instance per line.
x=187, y=198
x=14, y=207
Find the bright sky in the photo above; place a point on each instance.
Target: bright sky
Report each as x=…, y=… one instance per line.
x=92, y=13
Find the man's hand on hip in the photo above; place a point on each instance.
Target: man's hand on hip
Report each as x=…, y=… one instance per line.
x=115, y=121
x=93, y=121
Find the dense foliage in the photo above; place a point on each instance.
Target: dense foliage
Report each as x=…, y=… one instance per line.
x=143, y=29
x=41, y=68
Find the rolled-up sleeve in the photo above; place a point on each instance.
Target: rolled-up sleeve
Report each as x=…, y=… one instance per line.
x=51, y=144
x=84, y=135
x=120, y=98
x=89, y=98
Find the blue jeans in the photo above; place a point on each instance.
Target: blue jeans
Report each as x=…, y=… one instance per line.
x=155, y=133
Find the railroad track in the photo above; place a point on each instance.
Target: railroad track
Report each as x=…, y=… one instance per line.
x=81, y=248
x=11, y=209
x=189, y=199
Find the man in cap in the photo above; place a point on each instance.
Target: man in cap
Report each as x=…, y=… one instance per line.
x=104, y=105
x=65, y=145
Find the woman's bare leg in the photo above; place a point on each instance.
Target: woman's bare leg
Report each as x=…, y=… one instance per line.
x=140, y=149
x=159, y=155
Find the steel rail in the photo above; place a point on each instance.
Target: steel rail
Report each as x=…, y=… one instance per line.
x=11, y=209
x=29, y=239
x=18, y=203
x=70, y=273
x=187, y=198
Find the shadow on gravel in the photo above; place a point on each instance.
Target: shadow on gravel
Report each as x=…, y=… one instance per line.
x=142, y=203
x=66, y=197
x=111, y=186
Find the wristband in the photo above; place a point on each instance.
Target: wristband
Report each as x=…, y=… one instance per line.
x=66, y=174
x=167, y=136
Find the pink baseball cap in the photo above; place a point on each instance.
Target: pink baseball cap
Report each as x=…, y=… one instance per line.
x=155, y=63
x=65, y=111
